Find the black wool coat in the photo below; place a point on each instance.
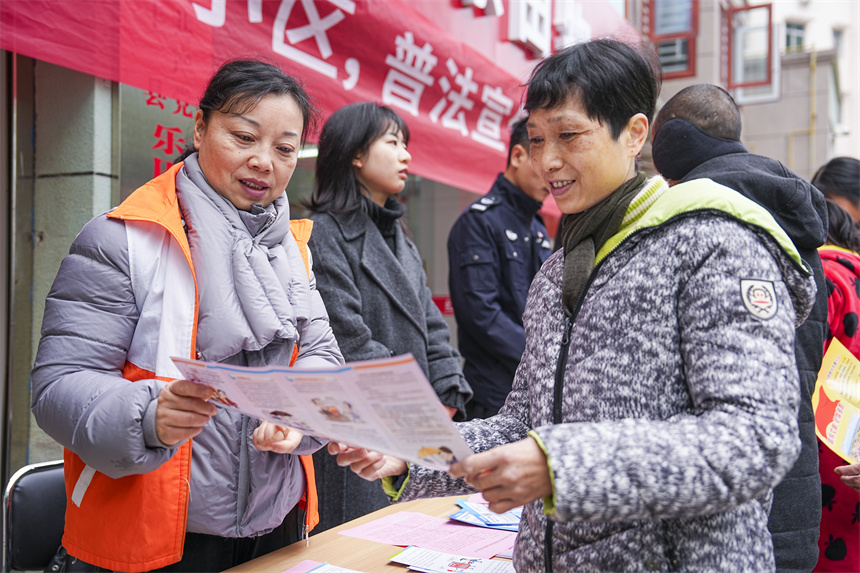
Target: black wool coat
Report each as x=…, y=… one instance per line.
x=800, y=210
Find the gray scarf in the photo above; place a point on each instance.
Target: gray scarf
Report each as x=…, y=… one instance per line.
x=253, y=290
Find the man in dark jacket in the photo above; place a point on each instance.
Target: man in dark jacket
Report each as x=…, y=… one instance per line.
x=697, y=135
x=495, y=248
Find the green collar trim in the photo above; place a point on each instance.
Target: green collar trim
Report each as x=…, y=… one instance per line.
x=657, y=203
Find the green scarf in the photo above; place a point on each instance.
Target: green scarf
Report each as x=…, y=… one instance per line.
x=584, y=233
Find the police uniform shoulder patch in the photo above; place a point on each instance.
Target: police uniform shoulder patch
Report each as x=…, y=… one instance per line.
x=759, y=298
x=484, y=203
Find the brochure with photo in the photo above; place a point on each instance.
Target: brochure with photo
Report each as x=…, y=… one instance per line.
x=836, y=402
x=386, y=405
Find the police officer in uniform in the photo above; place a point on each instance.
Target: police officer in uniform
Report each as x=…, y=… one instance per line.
x=495, y=248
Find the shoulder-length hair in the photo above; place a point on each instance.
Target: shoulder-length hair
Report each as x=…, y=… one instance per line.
x=349, y=133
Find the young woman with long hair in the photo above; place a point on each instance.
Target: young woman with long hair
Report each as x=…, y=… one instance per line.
x=371, y=276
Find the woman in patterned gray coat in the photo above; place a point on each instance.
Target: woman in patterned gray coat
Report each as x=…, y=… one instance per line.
x=655, y=405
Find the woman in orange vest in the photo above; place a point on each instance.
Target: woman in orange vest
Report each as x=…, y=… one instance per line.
x=200, y=262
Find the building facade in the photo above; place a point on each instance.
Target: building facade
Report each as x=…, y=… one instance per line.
x=792, y=67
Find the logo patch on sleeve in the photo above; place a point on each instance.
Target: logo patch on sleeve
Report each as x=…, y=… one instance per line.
x=759, y=297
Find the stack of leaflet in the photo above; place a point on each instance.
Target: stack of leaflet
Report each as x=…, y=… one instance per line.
x=429, y=561
x=475, y=512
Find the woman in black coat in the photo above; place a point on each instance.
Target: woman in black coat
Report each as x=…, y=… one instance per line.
x=371, y=277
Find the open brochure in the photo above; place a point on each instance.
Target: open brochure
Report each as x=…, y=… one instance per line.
x=836, y=402
x=387, y=405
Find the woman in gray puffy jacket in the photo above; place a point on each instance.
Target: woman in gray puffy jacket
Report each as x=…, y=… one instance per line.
x=655, y=406
x=201, y=262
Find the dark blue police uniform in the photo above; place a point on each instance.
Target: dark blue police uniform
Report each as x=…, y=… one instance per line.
x=495, y=248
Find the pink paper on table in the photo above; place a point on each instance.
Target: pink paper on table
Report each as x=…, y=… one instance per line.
x=303, y=567
x=428, y=532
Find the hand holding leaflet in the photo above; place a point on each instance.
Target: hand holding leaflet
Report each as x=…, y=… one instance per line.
x=385, y=405
x=368, y=464
x=836, y=402
x=509, y=475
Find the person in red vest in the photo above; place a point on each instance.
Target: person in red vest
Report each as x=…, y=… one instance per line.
x=201, y=262
x=839, y=537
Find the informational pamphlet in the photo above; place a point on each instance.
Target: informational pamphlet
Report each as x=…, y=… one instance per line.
x=480, y=514
x=386, y=405
x=836, y=402
x=429, y=561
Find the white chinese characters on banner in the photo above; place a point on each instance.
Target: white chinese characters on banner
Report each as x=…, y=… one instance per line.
x=216, y=14
x=409, y=74
x=284, y=39
x=455, y=116
x=497, y=106
x=317, y=29
x=410, y=69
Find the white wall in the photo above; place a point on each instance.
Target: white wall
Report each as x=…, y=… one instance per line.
x=821, y=18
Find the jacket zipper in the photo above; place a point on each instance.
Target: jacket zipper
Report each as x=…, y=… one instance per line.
x=558, y=392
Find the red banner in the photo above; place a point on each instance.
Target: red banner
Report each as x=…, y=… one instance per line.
x=457, y=103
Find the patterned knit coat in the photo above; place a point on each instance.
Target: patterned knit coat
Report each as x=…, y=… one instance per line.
x=679, y=396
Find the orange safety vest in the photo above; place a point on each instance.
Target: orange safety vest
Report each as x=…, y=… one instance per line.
x=137, y=523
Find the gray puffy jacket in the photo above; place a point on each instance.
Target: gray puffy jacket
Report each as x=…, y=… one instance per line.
x=81, y=400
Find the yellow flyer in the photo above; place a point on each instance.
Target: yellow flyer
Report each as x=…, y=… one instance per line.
x=836, y=402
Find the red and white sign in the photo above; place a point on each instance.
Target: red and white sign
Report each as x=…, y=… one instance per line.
x=444, y=304
x=456, y=101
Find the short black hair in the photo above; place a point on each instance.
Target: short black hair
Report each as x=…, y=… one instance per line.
x=841, y=177
x=519, y=136
x=612, y=80
x=348, y=133
x=708, y=107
